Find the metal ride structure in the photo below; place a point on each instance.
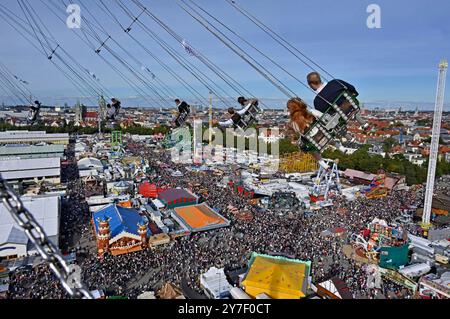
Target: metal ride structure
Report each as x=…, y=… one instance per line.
x=101, y=113
x=326, y=180
x=443, y=65
x=116, y=139
x=332, y=124
x=48, y=251
x=249, y=118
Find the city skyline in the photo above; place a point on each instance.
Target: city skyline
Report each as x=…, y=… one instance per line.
x=395, y=65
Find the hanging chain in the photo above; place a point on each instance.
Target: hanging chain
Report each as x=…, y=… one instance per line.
x=49, y=252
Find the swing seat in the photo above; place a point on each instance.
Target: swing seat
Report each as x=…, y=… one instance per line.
x=181, y=119
x=112, y=116
x=331, y=125
x=249, y=118
x=32, y=117
x=316, y=138
x=343, y=110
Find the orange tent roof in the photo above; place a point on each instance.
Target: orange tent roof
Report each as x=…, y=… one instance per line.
x=127, y=204
x=200, y=216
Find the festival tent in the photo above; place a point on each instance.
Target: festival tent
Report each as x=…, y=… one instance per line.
x=277, y=277
x=170, y=291
x=394, y=257
x=176, y=197
x=148, y=190
x=334, y=288
x=199, y=218
x=147, y=295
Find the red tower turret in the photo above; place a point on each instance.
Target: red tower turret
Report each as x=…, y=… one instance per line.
x=142, y=231
x=103, y=236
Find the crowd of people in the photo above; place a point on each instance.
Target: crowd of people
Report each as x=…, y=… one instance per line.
x=184, y=259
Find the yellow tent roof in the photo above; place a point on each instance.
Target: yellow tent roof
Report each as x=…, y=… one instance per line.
x=279, y=278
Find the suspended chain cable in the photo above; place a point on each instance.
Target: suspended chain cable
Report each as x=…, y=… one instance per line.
x=81, y=79
x=197, y=73
x=34, y=31
x=100, y=87
x=104, y=7
x=251, y=45
x=163, y=87
x=86, y=81
x=214, y=68
x=35, y=23
x=9, y=95
x=305, y=85
x=9, y=18
x=85, y=39
x=141, y=77
x=15, y=85
x=45, y=247
x=186, y=85
x=94, y=35
x=253, y=63
x=11, y=90
x=283, y=42
x=14, y=88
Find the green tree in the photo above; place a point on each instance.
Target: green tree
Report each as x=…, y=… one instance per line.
x=388, y=144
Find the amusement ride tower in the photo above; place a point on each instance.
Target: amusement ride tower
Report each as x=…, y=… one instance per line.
x=434, y=144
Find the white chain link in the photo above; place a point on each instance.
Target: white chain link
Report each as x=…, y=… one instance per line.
x=44, y=246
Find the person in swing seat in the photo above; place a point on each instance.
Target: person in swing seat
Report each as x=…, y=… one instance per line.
x=329, y=92
x=34, y=111
x=184, y=110
x=300, y=120
x=236, y=116
x=113, y=109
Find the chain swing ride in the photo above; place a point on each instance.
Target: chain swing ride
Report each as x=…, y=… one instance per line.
x=152, y=88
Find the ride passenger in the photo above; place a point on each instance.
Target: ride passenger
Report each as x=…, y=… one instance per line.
x=113, y=109
x=237, y=115
x=329, y=92
x=184, y=110
x=300, y=120
x=34, y=111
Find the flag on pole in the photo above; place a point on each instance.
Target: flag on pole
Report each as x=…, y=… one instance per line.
x=189, y=50
x=144, y=68
x=20, y=80
x=93, y=75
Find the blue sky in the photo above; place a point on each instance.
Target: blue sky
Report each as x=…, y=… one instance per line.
x=394, y=65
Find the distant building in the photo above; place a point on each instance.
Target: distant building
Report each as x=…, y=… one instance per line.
x=80, y=110
x=33, y=137
x=90, y=116
x=13, y=241
x=198, y=218
x=90, y=163
x=176, y=197
x=32, y=151
x=31, y=170
x=377, y=150
x=277, y=277
x=416, y=159
x=119, y=230
x=215, y=284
